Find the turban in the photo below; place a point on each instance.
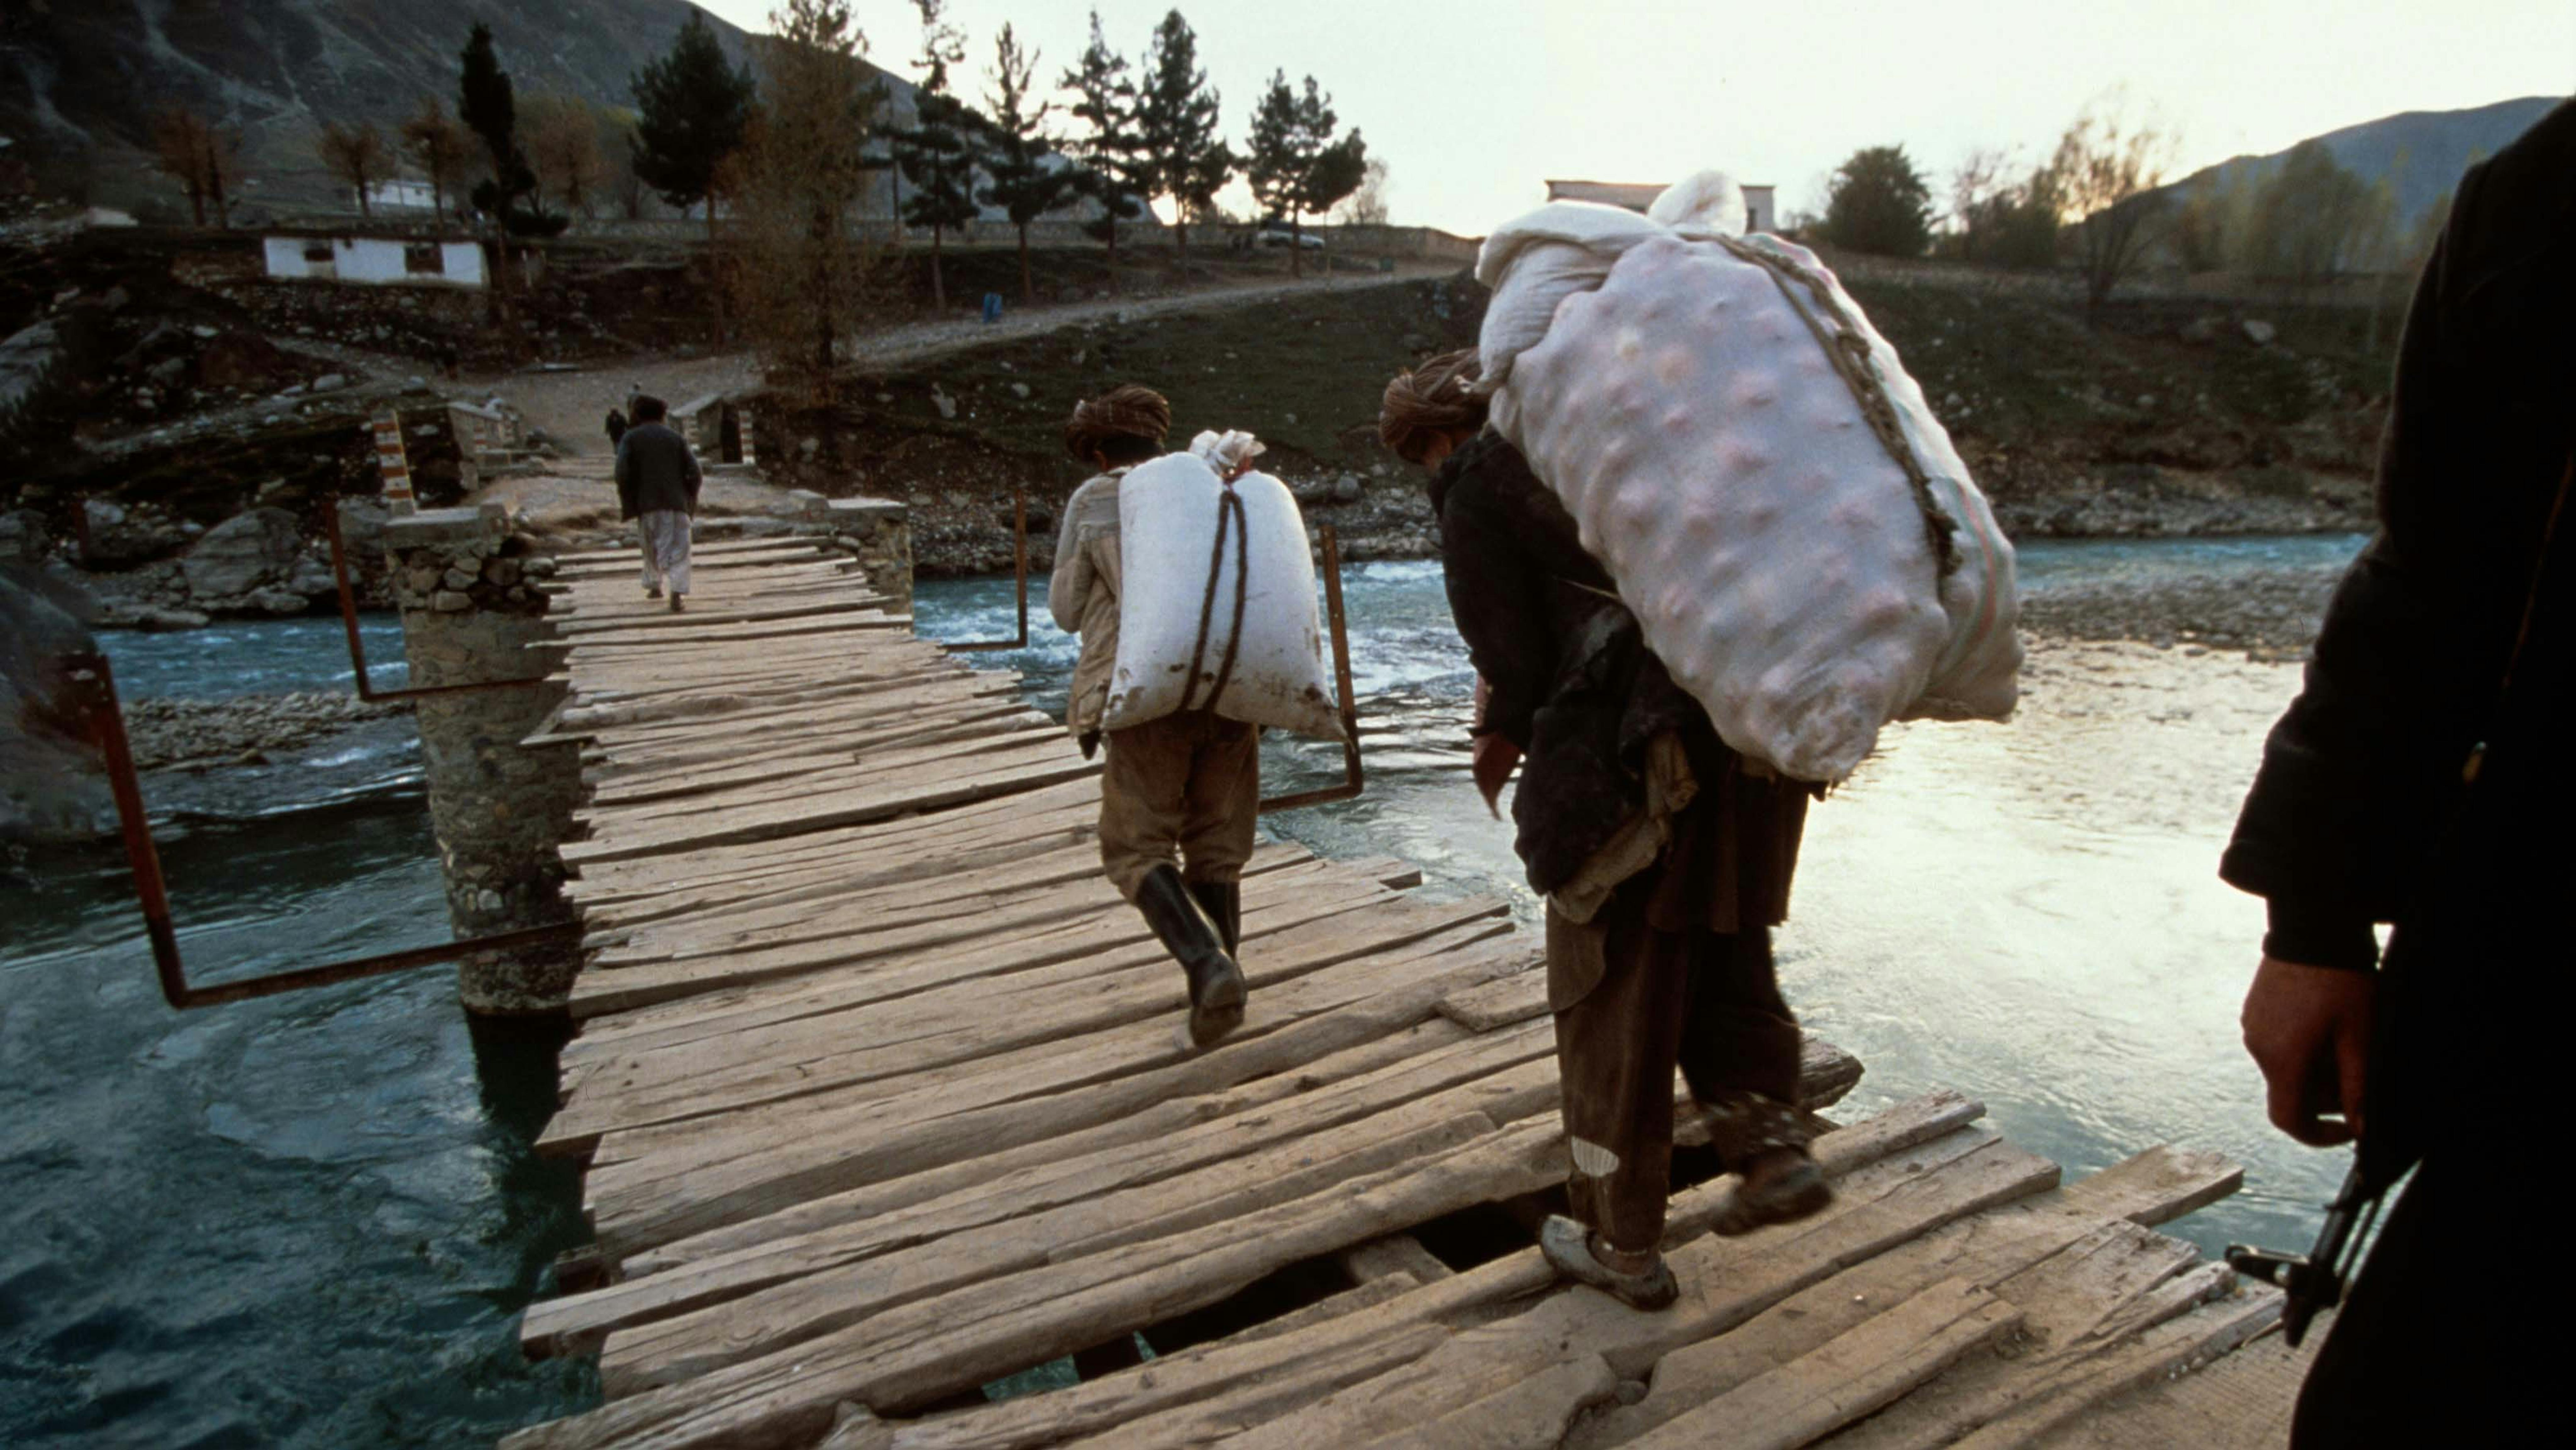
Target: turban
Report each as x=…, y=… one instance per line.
x=1432, y=399
x=1122, y=412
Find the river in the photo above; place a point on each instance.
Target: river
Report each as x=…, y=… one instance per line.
x=313, y=1220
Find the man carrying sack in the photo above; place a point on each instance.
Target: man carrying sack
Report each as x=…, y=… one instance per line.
x=1665, y=857
x=1186, y=785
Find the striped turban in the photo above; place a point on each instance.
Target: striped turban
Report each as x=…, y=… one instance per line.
x=1128, y=411
x=1433, y=399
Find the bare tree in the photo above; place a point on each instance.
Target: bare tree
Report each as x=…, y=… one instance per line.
x=2105, y=171
x=561, y=137
x=203, y=158
x=441, y=146
x=806, y=268
x=1366, y=207
x=1981, y=176
x=358, y=157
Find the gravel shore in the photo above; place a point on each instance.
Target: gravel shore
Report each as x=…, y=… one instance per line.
x=2269, y=614
x=200, y=734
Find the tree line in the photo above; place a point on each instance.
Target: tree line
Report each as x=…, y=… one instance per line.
x=790, y=146
x=1131, y=137
x=2098, y=203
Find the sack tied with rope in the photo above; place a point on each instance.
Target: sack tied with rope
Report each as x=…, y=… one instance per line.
x=1797, y=536
x=1218, y=609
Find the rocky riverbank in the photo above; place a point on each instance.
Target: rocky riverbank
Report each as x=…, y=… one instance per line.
x=2269, y=614
x=247, y=730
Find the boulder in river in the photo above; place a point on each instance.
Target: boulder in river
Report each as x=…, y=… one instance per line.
x=243, y=553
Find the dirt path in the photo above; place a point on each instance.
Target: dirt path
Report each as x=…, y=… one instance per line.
x=571, y=406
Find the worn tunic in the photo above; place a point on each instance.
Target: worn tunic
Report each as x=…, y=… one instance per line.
x=1082, y=594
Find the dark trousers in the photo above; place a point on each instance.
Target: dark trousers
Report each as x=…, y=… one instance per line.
x=1707, y=1002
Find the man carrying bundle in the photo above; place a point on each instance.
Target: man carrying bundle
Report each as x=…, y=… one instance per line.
x=1665, y=857
x=1186, y=785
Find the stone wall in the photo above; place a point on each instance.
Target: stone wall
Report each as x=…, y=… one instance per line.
x=466, y=586
x=877, y=532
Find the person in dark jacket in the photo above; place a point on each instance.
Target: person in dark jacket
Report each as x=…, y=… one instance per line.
x=616, y=427
x=1665, y=857
x=2421, y=780
x=657, y=486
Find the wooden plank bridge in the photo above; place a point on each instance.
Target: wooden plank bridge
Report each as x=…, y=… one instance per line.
x=882, y=1099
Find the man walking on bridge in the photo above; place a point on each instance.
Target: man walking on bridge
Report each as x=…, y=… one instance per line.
x=1188, y=784
x=657, y=487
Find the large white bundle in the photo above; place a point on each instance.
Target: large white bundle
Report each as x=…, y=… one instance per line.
x=1780, y=556
x=1217, y=606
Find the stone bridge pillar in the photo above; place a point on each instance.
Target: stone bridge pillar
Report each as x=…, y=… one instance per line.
x=470, y=607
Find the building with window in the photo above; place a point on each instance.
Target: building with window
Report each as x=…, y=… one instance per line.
x=377, y=260
x=1759, y=208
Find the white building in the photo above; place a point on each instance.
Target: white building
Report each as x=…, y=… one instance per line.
x=1759, y=208
x=402, y=194
x=377, y=261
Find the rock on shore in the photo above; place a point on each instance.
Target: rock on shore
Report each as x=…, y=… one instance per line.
x=200, y=734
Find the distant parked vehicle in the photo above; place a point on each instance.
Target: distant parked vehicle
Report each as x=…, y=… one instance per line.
x=1277, y=236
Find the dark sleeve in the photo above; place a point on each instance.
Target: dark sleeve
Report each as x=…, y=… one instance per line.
x=626, y=478
x=1500, y=603
x=2360, y=773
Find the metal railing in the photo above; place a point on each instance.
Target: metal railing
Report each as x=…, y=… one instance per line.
x=1353, y=781
x=95, y=687
x=358, y=651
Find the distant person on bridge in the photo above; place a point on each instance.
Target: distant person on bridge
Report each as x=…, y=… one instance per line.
x=1187, y=785
x=2421, y=779
x=657, y=487
x=1664, y=856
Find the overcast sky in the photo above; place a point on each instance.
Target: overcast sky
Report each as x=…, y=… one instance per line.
x=1475, y=103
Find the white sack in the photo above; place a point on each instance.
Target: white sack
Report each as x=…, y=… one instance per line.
x=1168, y=513
x=1774, y=552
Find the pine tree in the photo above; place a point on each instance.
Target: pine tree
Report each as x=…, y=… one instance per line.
x=485, y=103
x=691, y=110
x=937, y=154
x=1028, y=178
x=1296, y=166
x=1879, y=204
x=1113, y=169
x=1176, y=122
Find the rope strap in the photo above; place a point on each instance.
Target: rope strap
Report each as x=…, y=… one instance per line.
x=1847, y=347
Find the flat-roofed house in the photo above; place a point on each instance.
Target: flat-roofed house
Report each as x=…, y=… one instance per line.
x=375, y=260
x=1636, y=196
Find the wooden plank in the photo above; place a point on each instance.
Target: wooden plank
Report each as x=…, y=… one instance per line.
x=1371, y=1101
x=660, y=1184
x=1850, y=1376
x=1992, y=1249
x=1529, y=1413
x=1200, y=1394
x=1395, y=1254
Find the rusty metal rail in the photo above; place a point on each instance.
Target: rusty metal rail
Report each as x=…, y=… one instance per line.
x=1020, y=565
x=96, y=685
x=358, y=650
x=1353, y=781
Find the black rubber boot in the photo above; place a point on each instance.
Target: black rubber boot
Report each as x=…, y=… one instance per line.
x=1223, y=903
x=1216, y=983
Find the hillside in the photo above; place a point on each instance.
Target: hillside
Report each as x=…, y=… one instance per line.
x=2422, y=152
x=80, y=80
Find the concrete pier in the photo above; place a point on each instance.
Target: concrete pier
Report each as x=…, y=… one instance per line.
x=471, y=604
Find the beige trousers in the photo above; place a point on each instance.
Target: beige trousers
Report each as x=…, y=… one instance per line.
x=1185, y=786
x=665, y=534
